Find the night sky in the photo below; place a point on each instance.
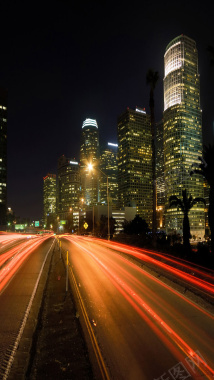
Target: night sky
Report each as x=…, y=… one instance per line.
x=64, y=61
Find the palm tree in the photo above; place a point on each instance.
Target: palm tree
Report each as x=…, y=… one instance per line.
x=206, y=169
x=151, y=79
x=185, y=204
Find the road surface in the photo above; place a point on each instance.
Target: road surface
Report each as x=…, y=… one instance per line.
x=144, y=328
x=21, y=263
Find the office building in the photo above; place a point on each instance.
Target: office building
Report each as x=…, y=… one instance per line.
x=160, y=181
x=68, y=192
x=109, y=167
x=49, y=199
x=182, y=131
x=89, y=154
x=135, y=162
x=3, y=159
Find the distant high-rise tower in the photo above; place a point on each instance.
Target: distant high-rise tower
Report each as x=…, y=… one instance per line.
x=3, y=159
x=89, y=153
x=160, y=165
x=49, y=198
x=160, y=176
x=68, y=187
x=109, y=166
x=135, y=162
x=182, y=134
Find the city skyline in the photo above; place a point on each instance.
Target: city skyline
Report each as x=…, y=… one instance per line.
x=59, y=72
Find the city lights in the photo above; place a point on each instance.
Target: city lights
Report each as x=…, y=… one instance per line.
x=90, y=167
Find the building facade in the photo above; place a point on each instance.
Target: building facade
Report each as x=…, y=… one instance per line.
x=160, y=176
x=3, y=159
x=135, y=162
x=109, y=167
x=182, y=131
x=68, y=192
x=49, y=199
x=89, y=154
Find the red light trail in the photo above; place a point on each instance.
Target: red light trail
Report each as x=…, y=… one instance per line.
x=11, y=260
x=131, y=289
x=194, y=279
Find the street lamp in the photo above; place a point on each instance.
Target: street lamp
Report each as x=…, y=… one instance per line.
x=90, y=167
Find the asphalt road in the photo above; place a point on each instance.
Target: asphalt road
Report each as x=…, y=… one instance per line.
x=144, y=328
x=16, y=294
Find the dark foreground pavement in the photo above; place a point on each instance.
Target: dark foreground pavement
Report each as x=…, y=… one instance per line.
x=58, y=348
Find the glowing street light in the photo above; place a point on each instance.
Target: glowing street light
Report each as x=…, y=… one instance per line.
x=90, y=168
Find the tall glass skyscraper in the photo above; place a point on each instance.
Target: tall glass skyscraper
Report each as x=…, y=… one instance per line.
x=49, y=198
x=160, y=176
x=89, y=154
x=109, y=166
x=135, y=162
x=160, y=165
x=3, y=158
x=68, y=190
x=182, y=130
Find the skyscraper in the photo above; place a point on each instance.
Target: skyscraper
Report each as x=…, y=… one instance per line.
x=160, y=176
x=135, y=162
x=3, y=158
x=182, y=134
x=160, y=165
x=68, y=191
x=109, y=166
x=89, y=153
x=49, y=198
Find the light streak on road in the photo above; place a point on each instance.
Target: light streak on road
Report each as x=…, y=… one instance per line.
x=20, y=275
x=194, y=276
x=179, y=262
x=9, y=238
x=168, y=323
x=11, y=260
x=9, y=254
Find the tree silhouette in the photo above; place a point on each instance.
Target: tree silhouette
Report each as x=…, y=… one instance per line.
x=102, y=226
x=185, y=204
x=205, y=168
x=136, y=226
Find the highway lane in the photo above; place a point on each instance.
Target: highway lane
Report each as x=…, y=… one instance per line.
x=17, y=293
x=12, y=250
x=12, y=241
x=144, y=328
x=196, y=277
